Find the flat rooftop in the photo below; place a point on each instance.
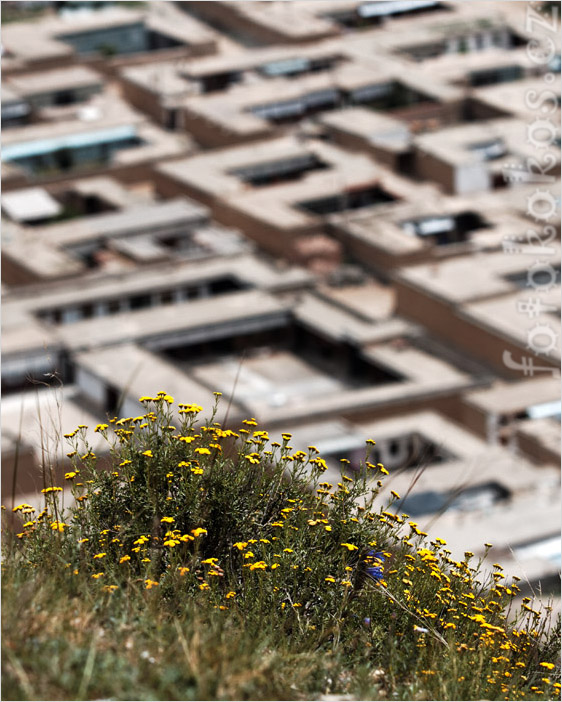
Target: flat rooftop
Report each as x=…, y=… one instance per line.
x=514, y=397
x=246, y=268
x=44, y=39
x=137, y=372
x=483, y=277
x=155, y=327
x=213, y=175
x=465, y=144
x=511, y=98
x=40, y=82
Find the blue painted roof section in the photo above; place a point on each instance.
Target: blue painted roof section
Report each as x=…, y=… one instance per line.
x=28, y=149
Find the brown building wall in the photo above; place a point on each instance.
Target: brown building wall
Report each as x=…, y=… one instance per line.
x=428, y=167
x=212, y=135
x=15, y=274
x=378, y=260
x=275, y=240
x=406, y=405
x=225, y=14
x=536, y=451
x=442, y=319
x=143, y=99
x=134, y=173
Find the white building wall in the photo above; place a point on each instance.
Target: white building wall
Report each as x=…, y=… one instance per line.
x=471, y=179
x=92, y=386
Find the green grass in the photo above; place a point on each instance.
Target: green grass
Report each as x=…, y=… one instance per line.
x=212, y=564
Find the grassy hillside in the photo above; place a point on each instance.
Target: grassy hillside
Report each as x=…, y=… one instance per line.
x=213, y=564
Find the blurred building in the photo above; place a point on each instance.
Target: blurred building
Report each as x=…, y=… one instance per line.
x=325, y=210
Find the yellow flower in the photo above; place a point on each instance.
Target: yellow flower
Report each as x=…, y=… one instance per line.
x=183, y=570
x=549, y=666
x=259, y=565
x=149, y=584
x=350, y=547
x=190, y=409
x=100, y=555
x=124, y=558
x=147, y=453
x=199, y=531
x=329, y=579
x=168, y=520
x=58, y=526
x=230, y=595
x=395, y=494
x=72, y=474
x=203, y=451
x=110, y=588
x=101, y=427
x=98, y=575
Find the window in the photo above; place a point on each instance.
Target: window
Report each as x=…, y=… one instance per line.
x=489, y=150
x=347, y=200
x=278, y=171
x=445, y=229
x=481, y=497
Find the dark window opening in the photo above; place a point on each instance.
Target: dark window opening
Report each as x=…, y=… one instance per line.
x=299, y=66
x=140, y=302
x=280, y=171
x=75, y=205
x=219, y=81
x=386, y=97
x=410, y=451
x=111, y=404
x=38, y=373
x=218, y=286
x=350, y=200
x=65, y=97
x=477, y=497
x=224, y=285
x=171, y=119
x=157, y=41
x=369, y=14
x=492, y=76
x=445, y=229
x=291, y=111
x=166, y=297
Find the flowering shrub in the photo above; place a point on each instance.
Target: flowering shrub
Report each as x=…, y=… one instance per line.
x=193, y=522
